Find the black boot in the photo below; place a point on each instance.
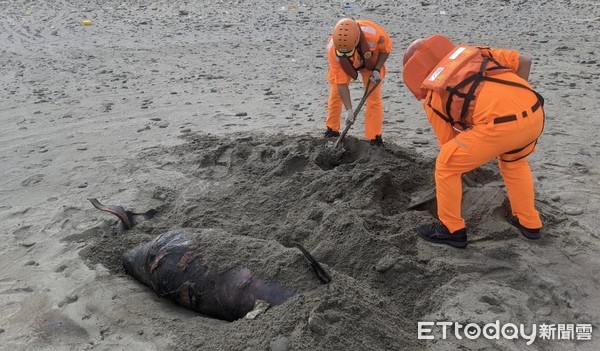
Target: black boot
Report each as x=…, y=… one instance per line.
x=531, y=234
x=330, y=133
x=377, y=141
x=439, y=234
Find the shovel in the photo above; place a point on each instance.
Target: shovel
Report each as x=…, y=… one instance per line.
x=360, y=105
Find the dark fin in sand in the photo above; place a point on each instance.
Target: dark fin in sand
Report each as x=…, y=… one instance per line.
x=148, y=214
x=319, y=270
x=126, y=217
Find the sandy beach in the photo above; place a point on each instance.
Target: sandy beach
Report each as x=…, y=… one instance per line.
x=213, y=113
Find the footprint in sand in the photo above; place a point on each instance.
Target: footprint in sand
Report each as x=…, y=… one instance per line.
x=34, y=179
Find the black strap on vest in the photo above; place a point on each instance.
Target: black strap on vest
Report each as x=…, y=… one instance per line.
x=469, y=96
x=444, y=117
x=348, y=67
x=476, y=79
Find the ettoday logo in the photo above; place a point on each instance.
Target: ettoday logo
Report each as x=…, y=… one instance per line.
x=508, y=331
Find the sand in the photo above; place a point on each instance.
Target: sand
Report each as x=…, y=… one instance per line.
x=212, y=113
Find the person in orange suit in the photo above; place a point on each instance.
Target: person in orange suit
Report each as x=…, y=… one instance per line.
x=354, y=47
x=480, y=106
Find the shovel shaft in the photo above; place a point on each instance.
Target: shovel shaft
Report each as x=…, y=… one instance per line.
x=343, y=134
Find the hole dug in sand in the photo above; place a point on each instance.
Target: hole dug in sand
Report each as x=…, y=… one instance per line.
x=348, y=151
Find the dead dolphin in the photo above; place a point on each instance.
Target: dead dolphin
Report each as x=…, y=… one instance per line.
x=216, y=273
x=177, y=265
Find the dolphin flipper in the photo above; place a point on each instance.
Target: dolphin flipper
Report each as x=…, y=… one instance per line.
x=319, y=270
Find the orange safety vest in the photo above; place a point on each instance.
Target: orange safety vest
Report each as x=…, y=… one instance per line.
x=456, y=74
x=365, y=54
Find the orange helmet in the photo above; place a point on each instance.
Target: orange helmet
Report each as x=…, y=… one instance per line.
x=420, y=58
x=346, y=35
x=410, y=50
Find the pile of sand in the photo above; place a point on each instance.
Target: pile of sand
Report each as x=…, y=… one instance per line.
x=354, y=217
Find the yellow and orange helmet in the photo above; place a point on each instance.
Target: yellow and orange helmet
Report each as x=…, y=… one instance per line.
x=346, y=35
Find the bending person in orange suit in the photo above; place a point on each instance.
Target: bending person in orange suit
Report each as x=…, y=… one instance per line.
x=481, y=106
x=356, y=46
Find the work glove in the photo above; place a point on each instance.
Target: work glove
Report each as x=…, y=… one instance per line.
x=375, y=77
x=349, y=116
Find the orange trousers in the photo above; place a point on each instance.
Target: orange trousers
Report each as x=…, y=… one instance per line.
x=374, y=107
x=479, y=145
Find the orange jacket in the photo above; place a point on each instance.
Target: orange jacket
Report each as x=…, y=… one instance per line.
x=493, y=100
x=378, y=40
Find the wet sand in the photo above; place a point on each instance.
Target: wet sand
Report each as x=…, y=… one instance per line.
x=213, y=115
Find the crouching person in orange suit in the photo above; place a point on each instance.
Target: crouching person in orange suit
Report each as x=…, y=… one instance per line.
x=480, y=106
x=356, y=46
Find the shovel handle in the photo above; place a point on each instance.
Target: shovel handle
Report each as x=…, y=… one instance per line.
x=341, y=137
x=360, y=105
